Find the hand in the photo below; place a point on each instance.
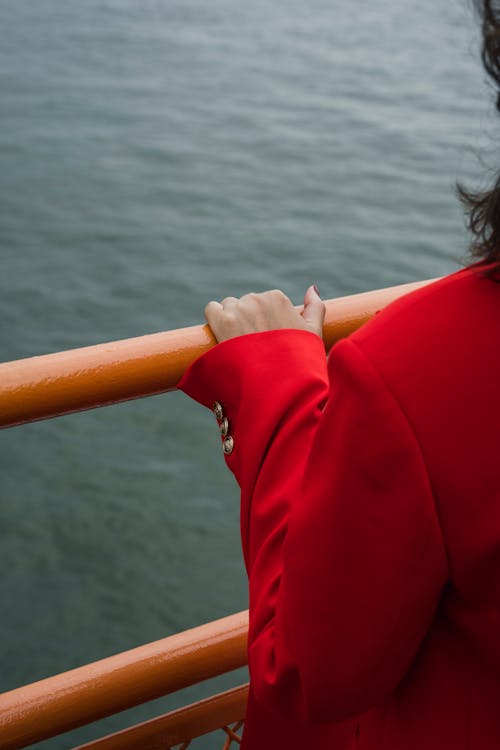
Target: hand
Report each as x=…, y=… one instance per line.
x=268, y=311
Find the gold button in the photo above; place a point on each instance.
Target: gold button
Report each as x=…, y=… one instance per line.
x=217, y=409
x=224, y=427
x=228, y=445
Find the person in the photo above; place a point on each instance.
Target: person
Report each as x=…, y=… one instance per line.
x=370, y=504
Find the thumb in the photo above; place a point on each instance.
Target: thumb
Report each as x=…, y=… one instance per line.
x=314, y=311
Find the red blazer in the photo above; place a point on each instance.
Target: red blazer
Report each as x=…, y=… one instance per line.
x=370, y=523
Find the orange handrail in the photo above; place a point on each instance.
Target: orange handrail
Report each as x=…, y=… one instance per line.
x=57, y=704
x=54, y=384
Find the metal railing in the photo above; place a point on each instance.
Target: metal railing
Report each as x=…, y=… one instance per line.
x=80, y=696
x=55, y=384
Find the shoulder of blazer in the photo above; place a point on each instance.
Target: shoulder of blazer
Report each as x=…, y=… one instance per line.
x=432, y=334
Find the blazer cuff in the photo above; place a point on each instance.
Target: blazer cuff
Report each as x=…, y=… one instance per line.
x=254, y=378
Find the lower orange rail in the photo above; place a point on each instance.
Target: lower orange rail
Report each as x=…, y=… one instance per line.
x=83, y=695
x=181, y=726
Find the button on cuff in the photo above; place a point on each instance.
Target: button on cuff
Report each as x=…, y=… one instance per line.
x=228, y=445
x=218, y=411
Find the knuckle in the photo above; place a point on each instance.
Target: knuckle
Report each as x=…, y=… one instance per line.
x=273, y=294
x=250, y=297
x=280, y=296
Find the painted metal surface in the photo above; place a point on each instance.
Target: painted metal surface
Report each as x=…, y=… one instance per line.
x=80, y=696
x=182, y=725
x=55, y=384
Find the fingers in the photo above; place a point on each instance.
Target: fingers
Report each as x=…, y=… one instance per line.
x=314, y=310
x=254, y=313
x=211, y=309
x=226, y=318
x=229, y=301
x=212, y=312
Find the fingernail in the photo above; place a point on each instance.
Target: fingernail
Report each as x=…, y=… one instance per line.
x=316, y=289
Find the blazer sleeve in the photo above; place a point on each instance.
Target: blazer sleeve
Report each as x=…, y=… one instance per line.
x=342, y=544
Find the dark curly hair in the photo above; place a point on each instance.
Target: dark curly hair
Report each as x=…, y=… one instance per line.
x=483, y=208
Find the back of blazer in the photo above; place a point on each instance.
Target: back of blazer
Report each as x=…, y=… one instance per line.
x=370, y=523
